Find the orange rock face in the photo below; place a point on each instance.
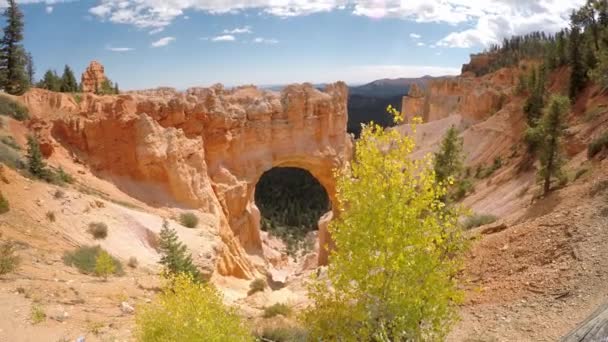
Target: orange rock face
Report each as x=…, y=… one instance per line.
x=93, y=77
x=206, y=148
x=475, y=99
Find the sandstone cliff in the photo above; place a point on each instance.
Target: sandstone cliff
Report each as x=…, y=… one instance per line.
x=204, y=148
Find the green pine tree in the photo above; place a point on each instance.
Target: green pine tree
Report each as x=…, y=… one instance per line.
x=449, y=158
x=68, y=81
x=29, y=68
x=12, y=59
x=35, y=161
x=174, y=255
x=552, y=128
x=116, y=90
x=50, y=81
x=578, y=75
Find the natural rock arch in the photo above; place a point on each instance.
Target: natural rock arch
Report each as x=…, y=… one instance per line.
x=207, y=147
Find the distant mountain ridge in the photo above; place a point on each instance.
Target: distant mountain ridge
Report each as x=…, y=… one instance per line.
x=388, y=87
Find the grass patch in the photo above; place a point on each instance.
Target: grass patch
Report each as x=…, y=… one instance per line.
x=99, y=230
x=84, y=259
x=478, y=220
x=277, y=309
x=13, y=109
x=597, y=145
x=188, y=220
x=258, y=285
x=8, y=258
x=4, y=206
x=10, y=142
x=37, y=315
x=283, y=334
x=78, y=98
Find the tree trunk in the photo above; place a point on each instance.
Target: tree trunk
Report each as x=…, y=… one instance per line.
x=594, y=328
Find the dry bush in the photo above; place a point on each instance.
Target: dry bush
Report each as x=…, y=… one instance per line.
x=99, y=230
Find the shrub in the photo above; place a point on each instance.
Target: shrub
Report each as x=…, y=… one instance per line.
x=580, y=173
x=59, y=194
x=188, y=311
x=284, y=334
x=50, y=215
x=99, y=230
x=35, y=162
x=463, y=187
x=257, y=285
x=64, y=177
x=104, y=265
x=78, y=98
x=10, y=142
x=4, y=206
x=84, y=259
x=386, y=249
x=478, y=220
x=37, y=314
x=188, y=220
x=133, y=262
x=13, y=109
x=8, y=258
x=597, y=145
x=277, y=309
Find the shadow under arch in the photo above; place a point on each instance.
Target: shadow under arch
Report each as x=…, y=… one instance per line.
x=321, y=174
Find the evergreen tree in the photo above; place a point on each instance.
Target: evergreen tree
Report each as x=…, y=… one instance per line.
x=12, y=59
x=448, y=160
x=536, y=100
x=50, y=81
x=29, y=68
x=68, y=81
x=552, y=128
x=116, y=90
x=578, y=75
x=35, y=162
x=174, y=255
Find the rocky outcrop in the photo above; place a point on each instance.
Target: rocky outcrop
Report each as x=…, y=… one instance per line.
x=475, y=99
x=93, y=77
x=206, y=148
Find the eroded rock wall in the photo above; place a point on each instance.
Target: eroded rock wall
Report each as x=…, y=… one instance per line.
x=205, y=148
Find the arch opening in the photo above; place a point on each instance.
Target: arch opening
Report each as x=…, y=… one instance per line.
x=291, y=201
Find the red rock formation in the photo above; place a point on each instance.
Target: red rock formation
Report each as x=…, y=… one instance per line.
x=93, y=77
x=206, y=148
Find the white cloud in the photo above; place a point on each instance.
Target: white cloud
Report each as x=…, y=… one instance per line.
x=415, y=36
x=487, y=21
x=260, y=40
x=119, y=49
x=49, y=9
x=156, y=30
x=223, y=38
x=420, y=44
x=162, y=42
x=239, y=30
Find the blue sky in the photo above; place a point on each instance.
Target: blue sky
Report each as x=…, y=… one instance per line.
x=183, y=43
